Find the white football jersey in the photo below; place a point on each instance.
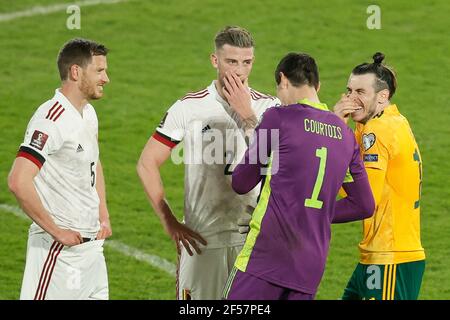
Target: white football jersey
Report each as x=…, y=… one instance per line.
x=63, y=144
x=213, y=144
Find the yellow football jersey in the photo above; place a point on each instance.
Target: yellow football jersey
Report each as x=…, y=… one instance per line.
x=394, y=166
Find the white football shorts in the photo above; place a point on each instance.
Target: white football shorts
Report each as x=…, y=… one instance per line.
x=203, y=277
x=57, y=272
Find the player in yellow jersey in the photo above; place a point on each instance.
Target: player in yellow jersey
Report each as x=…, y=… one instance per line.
x=392, y=260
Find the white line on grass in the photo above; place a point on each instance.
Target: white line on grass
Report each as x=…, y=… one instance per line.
x=43, y=10
x=153, y=260
x=15, y=210
x=116, y=245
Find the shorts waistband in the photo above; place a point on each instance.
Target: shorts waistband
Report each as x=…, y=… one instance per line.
x=89, y=239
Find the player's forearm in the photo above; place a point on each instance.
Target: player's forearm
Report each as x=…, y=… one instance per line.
x=151, y=180
x=245, y=179
x=358, y=205
x=101, y=191
x=249, y=125
x=250, y=170
x=247, y=173
x=28, y=199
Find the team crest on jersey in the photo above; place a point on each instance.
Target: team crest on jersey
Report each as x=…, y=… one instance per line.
x=38, y=139
x=368, y=141
x=163, y=120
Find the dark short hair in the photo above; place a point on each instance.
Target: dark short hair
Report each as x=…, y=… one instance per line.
x=234, y=36
x=79, y=52
x=299, y=68
x=385, y=76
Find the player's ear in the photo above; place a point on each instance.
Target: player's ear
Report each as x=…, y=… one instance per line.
x=284, y=81
x=318, y=87
x=214, y=60
x=383, y=96
x=74, y=72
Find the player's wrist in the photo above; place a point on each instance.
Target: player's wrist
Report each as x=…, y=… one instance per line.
x=250, y=123
x=104, y=218
x=56, y=232
x=246, y=113
x=168, y=219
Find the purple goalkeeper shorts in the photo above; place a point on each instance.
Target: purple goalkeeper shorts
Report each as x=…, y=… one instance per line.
x=244, y=286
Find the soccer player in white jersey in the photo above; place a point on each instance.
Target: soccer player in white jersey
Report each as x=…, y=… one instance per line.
x=58, y=181
x=214, y=124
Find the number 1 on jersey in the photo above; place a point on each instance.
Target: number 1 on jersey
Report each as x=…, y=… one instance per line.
x=314, y=202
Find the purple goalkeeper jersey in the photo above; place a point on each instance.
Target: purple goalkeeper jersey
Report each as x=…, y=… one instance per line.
x=307, y=152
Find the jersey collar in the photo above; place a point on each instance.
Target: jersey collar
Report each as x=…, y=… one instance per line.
x=213, y=91
x=320, y=106
x=66, y=103
x=392, y=109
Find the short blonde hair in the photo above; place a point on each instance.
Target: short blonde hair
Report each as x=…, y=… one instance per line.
x=234, y=36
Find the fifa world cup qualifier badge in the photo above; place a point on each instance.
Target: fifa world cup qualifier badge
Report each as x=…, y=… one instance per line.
x=38, y=139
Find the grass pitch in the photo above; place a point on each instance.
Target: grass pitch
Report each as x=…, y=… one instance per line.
x=160, y=51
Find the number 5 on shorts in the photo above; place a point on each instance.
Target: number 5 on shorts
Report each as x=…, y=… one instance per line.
x=314, y=202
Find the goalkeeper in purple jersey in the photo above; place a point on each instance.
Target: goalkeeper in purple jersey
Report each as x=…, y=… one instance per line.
x=303, y=154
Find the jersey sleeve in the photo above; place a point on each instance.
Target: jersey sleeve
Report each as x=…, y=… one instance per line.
x=356, y=169
x=171, y=129
x=377, y=147
x=42, y=139
x=249, y=171
x=358, y=201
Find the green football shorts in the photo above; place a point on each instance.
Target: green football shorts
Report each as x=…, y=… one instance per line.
x=385, y=282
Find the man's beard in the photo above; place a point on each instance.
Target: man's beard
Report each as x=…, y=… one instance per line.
x=372, y=111
x=221, y=82
x=88, y=90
